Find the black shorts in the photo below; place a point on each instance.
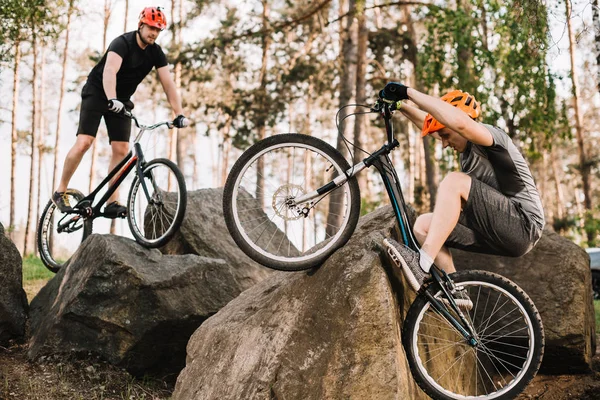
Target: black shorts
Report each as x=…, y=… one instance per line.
x=95, y=106
x=492, y=223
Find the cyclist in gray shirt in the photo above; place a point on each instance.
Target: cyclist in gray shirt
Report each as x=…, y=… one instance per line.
x=492, y=206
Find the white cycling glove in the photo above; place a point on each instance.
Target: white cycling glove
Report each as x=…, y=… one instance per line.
x=115, y=105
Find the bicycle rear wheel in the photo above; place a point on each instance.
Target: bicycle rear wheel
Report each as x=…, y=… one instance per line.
x=507, y=326
x=259, y=208
x=156, y=212
x=55, y=247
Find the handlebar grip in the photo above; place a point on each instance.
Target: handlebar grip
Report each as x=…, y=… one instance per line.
x=124, y=111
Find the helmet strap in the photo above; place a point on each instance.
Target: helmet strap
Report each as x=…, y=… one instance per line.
x=140, y=35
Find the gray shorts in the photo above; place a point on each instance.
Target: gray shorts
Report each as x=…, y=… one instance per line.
x=491, y=223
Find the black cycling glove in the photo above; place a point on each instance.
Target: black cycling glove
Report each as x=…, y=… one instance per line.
x=180, y=122
x=393, y=92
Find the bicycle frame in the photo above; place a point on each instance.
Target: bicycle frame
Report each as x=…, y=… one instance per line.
x=381, y=161
x=133, y=160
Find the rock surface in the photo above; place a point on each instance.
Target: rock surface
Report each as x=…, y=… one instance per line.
x=203, y=232
x=133, y=306
x=13, y=300
x=556, y=276
x=332, y=333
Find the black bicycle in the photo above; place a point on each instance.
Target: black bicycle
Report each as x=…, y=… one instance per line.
x=155, y=205
x=291, y=200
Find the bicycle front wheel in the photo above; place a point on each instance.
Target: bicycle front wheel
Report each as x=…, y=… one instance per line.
x=156, y=203
x=59, y=234
x=510, y=338
x=260, y=211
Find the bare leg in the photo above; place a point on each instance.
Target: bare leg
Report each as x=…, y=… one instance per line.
x=444, y=257
x=119, y=151
x=452, y=193
x=74, y=156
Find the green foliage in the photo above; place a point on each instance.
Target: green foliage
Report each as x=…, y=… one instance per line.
x=34, y=269
x=25, y=19
x=459, y=54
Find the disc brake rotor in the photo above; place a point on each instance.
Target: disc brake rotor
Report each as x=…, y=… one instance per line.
x=283, y=203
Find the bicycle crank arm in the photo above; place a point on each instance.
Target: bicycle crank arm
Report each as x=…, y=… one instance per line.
x=337, y=182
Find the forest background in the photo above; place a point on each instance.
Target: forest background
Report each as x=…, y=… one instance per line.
x=248, y=69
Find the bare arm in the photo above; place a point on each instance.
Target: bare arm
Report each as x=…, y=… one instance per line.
x=109, y=76
x=164, y=76
x=415, y=115
x=452, y=118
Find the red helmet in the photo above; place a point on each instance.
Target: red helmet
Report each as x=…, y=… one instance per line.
x=459, y=99
x=153, y=16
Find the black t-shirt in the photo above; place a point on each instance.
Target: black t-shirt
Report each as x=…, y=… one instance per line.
x=137, y=63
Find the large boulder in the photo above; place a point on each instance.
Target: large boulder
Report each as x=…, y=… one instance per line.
x=556, y=275
x=203, y=232
x=13, y=300
x=332, y=333
x=135, y=307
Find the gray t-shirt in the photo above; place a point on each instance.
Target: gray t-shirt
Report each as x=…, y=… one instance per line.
x=502, y=167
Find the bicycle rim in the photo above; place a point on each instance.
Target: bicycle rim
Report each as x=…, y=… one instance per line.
x=56, y=248
x=502, y=360
x=275, y=230
x=155, y=215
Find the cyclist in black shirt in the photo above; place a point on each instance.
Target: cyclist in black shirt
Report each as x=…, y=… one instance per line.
x=128, y=60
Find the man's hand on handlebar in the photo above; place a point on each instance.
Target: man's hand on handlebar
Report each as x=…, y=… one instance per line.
x=181, y=122
x=115, y=106
x=394, y=92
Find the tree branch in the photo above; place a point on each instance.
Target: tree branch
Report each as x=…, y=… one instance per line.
x=396, y=3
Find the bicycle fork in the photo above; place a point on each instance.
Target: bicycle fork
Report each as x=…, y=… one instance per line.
x=440, y=280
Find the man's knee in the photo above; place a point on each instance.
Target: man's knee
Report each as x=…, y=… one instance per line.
x=83, y=143
x=458, y=182
x=421, y=227
x=120, y=149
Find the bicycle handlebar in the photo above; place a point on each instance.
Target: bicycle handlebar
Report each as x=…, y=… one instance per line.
x=129, y=114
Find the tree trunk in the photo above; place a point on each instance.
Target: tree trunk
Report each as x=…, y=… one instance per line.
x=126, y=15
x=428, y=144
x=583, y=160
x=596, y=22
x=30, y=208
x=560, y=197
x=41, y=142
x=347, y=61
x=360, y=122
x=95, y=146
x=261, y=123
x=61, y=94
x=14, y=138
x=226, y=150
x=180, y=140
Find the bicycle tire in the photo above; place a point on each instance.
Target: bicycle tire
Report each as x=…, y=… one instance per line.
x=299, y=239
x=426, y=334
x=143, y=230
x=44, y=234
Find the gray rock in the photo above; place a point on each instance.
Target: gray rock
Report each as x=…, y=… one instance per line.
x=203, y=232
x=13, y=300
x=556, y=275
x=133, y=306
x=332, y=333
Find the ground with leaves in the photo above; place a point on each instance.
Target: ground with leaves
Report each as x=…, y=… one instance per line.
x=71, y=378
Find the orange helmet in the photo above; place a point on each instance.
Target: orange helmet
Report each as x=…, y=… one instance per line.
x=153, y=16
x=462, y=100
